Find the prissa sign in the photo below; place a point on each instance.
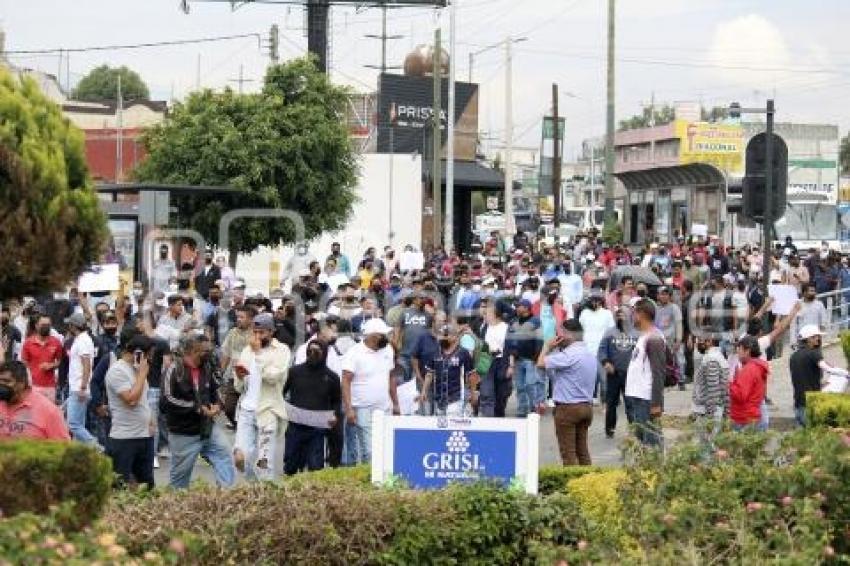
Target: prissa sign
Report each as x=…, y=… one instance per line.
x=406, y=111
x=431, y=452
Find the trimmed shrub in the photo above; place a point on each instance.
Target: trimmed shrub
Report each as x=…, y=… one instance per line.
x=827, y=409
x=38, y=475
x=555, y=479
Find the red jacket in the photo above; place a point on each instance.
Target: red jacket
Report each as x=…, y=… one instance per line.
x=747, y=390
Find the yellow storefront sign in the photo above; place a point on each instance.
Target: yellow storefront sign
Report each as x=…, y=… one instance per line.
x=720, y=145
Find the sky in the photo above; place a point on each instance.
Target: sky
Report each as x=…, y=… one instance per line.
x=708, y=51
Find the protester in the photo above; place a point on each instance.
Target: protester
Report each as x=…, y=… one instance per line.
x=190, y=404
x=450, y=375
x=615, y=355
x=523, y=343
x=573, y=371
x=314, y=390
x=367, y=386
x=131, y=433
x=645, y=376
x=43, y=353
x=748, y=387
x=260, y=375
x=80, y=359
x=711, y=389
x=807, y=368
x=24, y=413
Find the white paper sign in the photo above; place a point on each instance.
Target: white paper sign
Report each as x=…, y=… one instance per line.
x=784, y=298
x=306, y=417
x=102, y=277
x=699, y=230
x=407, y=395
x=410, y=261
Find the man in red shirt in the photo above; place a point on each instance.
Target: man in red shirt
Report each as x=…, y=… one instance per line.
x=25, y=413
x=42, y=353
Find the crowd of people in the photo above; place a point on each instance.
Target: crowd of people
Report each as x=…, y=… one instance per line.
x=164, y=368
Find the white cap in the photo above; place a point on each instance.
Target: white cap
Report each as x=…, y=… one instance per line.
x=376, y=326
x=305, y=273
x=810, y=330
x=590, y=257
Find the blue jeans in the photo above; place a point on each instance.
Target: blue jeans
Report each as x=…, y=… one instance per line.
x=185, y=451
x=647, y=428
x=764, y=421
x=77, y=419
x=407, y=366
x=529, y=385
x=358, y=438
x=800, y=415
x=153, y=403
x=304, y=448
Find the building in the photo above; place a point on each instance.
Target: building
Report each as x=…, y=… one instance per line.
x=683, y=178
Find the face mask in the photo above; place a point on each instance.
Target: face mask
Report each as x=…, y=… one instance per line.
x=383, y=342
x=265, y=342
x=332, y=341
x=702, y=349
x=137, y=293
x=467, y=342
x=4, y=321
x=290, y=310
x=208, y=261
x=163, y=255
x=6, y=393
x=44, y=331
x=314, y=358
x=335, y=253
x=445, y=343
x=641, y=293
x=108, y=331
x=215, y=300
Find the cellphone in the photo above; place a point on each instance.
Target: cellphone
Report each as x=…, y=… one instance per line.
x=137, y=356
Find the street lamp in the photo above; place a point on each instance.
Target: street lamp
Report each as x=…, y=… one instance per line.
x=473, y=54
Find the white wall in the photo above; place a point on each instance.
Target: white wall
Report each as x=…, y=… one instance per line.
x=369, y=225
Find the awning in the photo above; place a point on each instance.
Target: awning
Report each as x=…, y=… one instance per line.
x=470, y=175
x=677, y=176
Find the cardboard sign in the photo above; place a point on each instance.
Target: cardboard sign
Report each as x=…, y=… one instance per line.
x=103, y=277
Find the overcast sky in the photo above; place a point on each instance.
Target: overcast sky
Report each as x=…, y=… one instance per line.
x=714, y=51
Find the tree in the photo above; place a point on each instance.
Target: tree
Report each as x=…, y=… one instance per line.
x=714, y=114
x=102, y=84
x=51, y=226
x=844, y=155
x=285, y=148
x=663, y=115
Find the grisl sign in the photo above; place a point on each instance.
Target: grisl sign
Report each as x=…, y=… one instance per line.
x=432, y=452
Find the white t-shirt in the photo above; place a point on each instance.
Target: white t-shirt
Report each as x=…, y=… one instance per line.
x=639, y=374
x=251, y=395
x=594, y=325
x=81, y=348
x=495, y=336
x=371, y=376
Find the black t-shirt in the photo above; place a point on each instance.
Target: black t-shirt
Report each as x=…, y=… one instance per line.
x=805, y=373
x=13, y=336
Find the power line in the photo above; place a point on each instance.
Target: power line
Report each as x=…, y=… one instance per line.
x=133, y=45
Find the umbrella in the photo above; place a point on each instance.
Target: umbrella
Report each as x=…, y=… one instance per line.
x=636, y=272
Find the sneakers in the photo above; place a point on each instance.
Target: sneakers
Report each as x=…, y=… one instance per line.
x=164, y=453
x=596, y=402
x=156, y=462
x=550, y=403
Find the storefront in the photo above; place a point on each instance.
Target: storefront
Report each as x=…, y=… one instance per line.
x=666, y=202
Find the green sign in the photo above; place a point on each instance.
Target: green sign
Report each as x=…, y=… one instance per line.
x=812, y=163
x=549, y=128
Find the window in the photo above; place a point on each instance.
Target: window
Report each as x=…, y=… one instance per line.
x=808, y=221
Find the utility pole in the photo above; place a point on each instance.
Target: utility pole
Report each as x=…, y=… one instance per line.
x=383, y=37
x=556, y=159
x=510, y=226
x=768, y=201
x=241, y=80
x=609, y=122
x=317, y=31
x=119, y=134
x=437, y=135
x=652, y=124
x=448, y=237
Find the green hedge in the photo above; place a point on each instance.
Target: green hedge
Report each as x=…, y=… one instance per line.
x=37, y=475
x=827, y=410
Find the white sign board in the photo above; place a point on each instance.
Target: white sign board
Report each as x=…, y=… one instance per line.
x=102, y=277
x=431, y=452
x=699, y=230
x=492, y=203
x=411, y=261
x=784, y=298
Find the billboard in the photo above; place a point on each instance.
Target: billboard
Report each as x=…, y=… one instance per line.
x=405, y=115
x=721, y=145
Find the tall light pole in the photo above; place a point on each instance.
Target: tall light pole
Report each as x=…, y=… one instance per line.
x=609, y=122
x=510, y=227
x=448, y=236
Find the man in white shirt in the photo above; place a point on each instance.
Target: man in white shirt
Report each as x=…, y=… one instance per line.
x=367, y=385
x=79, y=375
x=645, y=376
x=497, y=385
x=331, y=275
x=596, y=321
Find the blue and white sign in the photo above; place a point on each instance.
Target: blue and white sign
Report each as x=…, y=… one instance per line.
x=431, y=452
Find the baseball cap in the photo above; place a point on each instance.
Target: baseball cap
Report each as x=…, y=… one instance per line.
x=634, y=301
x=264, y=321
x=376, y=326
x=810, y=330
x=664, y=289
x=524, y=303
x=77, y=319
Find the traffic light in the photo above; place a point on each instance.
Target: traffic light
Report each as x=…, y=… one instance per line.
x=754, y=186
x=274, y=43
